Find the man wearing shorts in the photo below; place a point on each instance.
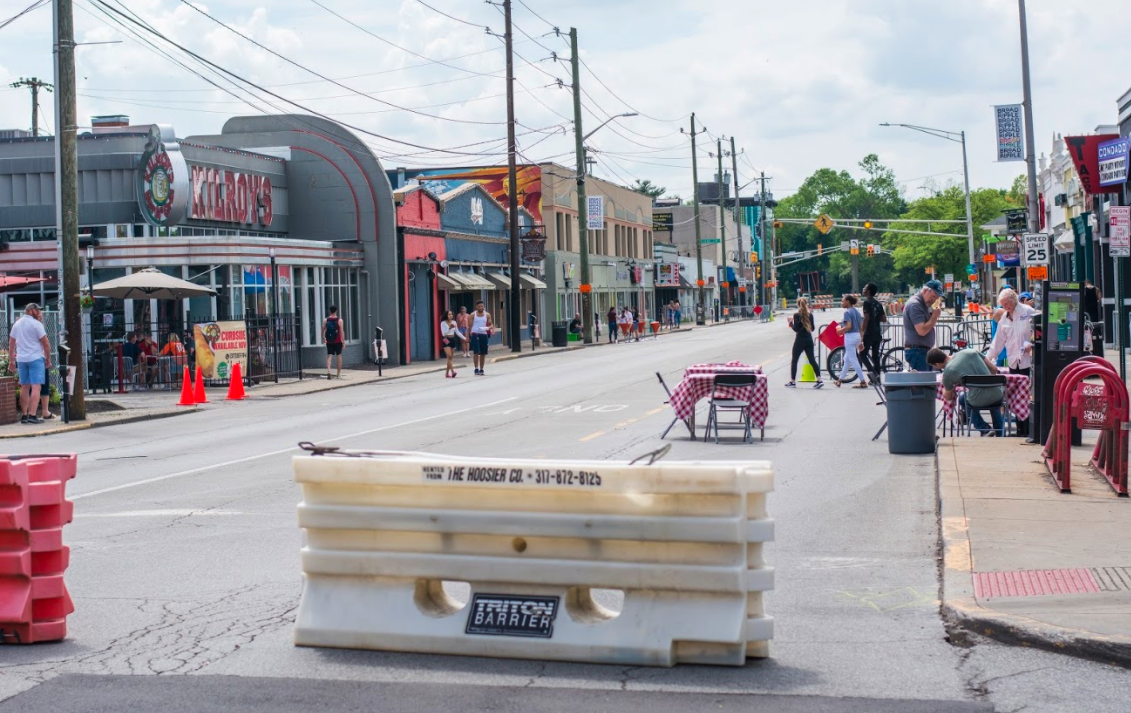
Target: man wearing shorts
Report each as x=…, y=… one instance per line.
x=481, y=326
x=29, y=348
x=333, y=336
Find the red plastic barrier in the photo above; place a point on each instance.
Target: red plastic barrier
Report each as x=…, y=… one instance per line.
x=34, y=602
x=1103, y=406
x=829, y=337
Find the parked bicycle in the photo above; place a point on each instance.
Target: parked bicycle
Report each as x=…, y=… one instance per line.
x=891, y=359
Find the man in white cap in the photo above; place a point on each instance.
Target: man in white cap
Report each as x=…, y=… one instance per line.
x=29, y=348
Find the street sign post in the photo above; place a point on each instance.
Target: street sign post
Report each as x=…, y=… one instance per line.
x=854, y=247
x=1036, y=248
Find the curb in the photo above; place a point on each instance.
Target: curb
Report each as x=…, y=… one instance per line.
x=961, y=612
x=61, y=429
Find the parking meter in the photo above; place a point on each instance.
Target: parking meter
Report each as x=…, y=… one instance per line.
x=63, y=359
x=1058, y=341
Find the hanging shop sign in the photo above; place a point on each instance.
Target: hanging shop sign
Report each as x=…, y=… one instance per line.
x=1010, y=139
x=662, y=222
x=1008, y=253
x=1084, y=151
x=533, y=247
x=1111, y=158
x=231, y=196
x=667, y=274
x=595, y=212
x=162, y=178
x=1016, y=221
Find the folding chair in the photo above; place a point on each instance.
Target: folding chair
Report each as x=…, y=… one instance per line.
x=741, y=406
x=976, y=382
x=676, y=419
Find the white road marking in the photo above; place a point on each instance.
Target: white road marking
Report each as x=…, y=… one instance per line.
x=161, y=513
x=237, y=461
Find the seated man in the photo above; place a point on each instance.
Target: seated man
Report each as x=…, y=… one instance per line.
x=970, y=362
x=575, y=325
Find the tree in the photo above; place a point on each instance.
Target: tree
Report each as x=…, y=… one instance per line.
x=648, y=188
x=914, y=253
x=876, y=194
x=1019, y=190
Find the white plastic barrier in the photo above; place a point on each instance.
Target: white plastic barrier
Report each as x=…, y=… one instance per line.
x=682, y=541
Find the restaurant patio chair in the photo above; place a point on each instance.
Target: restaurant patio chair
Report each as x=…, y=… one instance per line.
x=721, y=403
x=976, y=382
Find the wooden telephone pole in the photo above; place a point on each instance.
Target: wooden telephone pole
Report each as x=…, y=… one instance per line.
x=34, y=85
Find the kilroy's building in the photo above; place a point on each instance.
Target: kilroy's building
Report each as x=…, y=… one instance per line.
x=288, y=205
x=455, y=251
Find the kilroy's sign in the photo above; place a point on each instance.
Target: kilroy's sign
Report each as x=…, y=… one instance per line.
x=162, y=178
x=170, y=190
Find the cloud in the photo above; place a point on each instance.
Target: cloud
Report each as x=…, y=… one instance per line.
x=800, y=84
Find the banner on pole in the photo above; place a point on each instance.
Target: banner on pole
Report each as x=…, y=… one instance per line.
x=1010, y=139
x=595, y=212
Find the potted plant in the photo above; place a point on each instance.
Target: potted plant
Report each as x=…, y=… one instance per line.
x=86, y=302
x=9, y=391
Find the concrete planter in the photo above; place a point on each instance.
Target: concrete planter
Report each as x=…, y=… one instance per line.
x=9, y=400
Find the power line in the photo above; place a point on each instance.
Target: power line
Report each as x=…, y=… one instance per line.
x=452, y=17
x=30, y=8
x=332, y=81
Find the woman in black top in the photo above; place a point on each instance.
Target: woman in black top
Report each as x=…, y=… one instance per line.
x=802, y=326
x=872, y=331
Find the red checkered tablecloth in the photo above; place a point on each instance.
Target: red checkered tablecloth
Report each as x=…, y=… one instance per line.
x=1016, y=396
x=698, y=381
x=731, y=367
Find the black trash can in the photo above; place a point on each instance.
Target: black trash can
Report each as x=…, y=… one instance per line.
x=560, y=334
x=910, y=400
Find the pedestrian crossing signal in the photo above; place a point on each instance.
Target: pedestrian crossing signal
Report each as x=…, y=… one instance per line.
x=871, y=250
x=820, y=248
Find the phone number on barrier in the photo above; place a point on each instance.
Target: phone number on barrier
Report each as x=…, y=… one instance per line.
x=510, y=476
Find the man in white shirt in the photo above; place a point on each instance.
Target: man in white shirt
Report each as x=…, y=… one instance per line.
x=29, y=348
x=1014, y=335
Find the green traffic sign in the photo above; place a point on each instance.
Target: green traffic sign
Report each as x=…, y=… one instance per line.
x=971, y=269
x=711, y=241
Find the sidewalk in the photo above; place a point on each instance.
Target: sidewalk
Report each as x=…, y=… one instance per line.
x=1026, y=564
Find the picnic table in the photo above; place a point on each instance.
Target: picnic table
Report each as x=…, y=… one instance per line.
x=1016, y=396
x=698, y=382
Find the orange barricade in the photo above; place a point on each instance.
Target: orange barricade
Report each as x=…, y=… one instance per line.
x=34, y=602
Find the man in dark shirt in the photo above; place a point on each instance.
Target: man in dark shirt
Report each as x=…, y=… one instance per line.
x=920, y=315
x=575, y=324
x=1092, y=301
x=874, y=317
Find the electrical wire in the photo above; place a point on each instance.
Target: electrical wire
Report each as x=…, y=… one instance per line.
x=452, y=17
x=332, y=81
x=30, y=8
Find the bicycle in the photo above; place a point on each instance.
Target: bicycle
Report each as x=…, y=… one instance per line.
x=891, y=359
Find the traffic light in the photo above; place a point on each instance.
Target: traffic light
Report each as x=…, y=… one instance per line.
x=758, y=272
x=820, y=248
x=871, y=250
x=867, y=225
x=754, y=258
x=778, y=224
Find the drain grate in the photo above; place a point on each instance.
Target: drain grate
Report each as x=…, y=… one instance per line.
x=1039, y=582
x=1112, y=579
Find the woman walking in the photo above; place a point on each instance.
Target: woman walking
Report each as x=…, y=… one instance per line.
x=872, y=332
x=611, y=319
x=802, y=326
x=850, y=330
x=451, y=339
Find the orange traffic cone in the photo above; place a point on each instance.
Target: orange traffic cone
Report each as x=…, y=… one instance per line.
x=235, y=384
x=186, y=391
x=198, y=394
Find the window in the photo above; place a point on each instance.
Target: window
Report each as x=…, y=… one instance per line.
x=559, y=223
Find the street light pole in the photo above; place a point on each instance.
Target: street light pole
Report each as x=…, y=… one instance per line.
x=725, y=301
x=701, y=309
x=275, y=320
x=1027, y=106
x=740, y=267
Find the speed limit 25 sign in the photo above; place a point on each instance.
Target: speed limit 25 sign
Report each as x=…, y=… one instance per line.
x=1036, y=248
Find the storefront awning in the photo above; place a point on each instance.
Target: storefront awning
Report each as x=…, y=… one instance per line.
x=530, y=282
x=471, y=281
x=11, y=282
x=1065, y=242
x=500, y=279
x=684, y=282
x=446, y=283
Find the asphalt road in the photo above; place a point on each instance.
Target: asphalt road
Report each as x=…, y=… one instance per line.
x=185, y=554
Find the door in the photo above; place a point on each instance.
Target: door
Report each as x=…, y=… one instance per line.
x=421, y=321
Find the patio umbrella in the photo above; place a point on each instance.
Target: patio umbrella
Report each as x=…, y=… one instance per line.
x=150, y=284
x=11, y=282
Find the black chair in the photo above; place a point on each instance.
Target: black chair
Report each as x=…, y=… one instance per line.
x=981, y=382
x=721, y=403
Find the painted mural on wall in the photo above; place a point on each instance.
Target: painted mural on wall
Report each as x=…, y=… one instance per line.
x=492, y=178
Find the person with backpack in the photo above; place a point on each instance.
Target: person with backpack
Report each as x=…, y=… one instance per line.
x=802, y=326
x=333, y=336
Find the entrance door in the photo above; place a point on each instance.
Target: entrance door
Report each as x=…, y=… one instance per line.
x=422, y=324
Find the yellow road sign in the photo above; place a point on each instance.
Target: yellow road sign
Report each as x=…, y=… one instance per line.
x=824, y=224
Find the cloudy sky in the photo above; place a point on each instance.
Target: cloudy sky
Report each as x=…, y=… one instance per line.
x=800, y=84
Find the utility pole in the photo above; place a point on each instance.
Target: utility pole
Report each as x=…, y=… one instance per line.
x=34, y=85
x=1027, y=106
x=701, y=309
x=67, y=198
x=856, y=273
x=740, y=267
x=582, y=205
x=762, y=231
x=514, y=316
x=725, y=301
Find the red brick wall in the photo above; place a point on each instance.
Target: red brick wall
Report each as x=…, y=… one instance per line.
x=420, y=210
x=9, y=400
